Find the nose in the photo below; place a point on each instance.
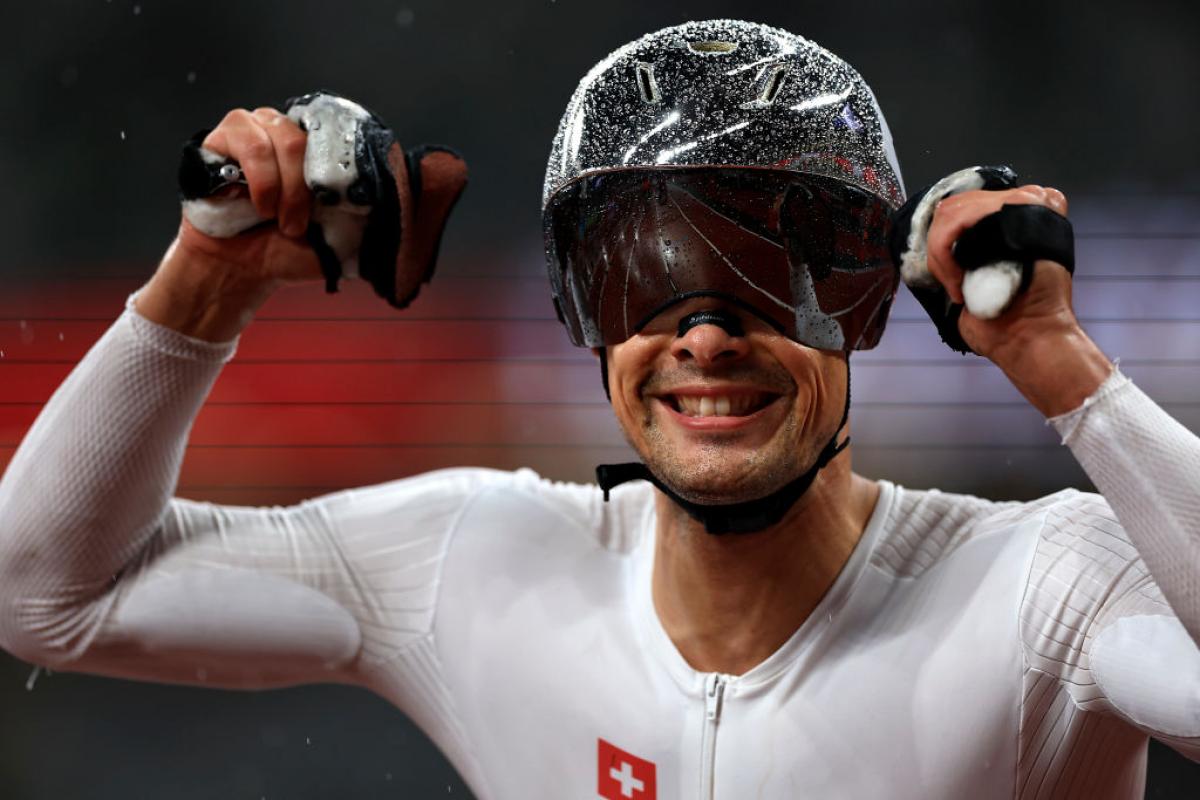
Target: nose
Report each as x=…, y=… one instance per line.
x=708, y=336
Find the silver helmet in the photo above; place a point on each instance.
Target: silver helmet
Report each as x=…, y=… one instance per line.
x=645, y=201
x=725, y=92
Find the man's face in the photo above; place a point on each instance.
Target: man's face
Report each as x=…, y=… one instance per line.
x=724, y=419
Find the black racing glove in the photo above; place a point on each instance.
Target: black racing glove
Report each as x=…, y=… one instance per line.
x=997, y=253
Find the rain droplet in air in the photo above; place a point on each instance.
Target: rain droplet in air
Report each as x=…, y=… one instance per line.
x=32, y=679
x=191, y=76
x=122, y=136
x=405, y=17
x=137, y=10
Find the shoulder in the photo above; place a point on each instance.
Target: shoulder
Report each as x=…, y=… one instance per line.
x=1078, y=536
x=615, y=524
x=1084, y=570
x=1083, y=554
x=438, y=499
x=428, y=496
x=1086, y=517
x=926, y=526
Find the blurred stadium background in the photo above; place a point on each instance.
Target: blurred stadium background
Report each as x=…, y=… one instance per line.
x=332, y=391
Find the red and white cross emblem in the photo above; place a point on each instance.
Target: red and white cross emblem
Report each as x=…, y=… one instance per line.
x=624, y=776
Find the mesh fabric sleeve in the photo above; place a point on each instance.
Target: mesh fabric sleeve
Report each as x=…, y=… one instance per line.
x=1112, y=610
x=1147, y=465
x=102, y=570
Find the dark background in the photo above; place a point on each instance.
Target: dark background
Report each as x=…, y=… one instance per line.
x=1098, y=99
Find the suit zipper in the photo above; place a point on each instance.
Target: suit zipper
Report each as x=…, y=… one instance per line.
x=714, y=696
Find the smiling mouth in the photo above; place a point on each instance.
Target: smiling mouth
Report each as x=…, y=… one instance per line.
x=719, y=405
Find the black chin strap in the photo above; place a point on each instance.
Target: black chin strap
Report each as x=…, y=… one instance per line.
x=746, y=517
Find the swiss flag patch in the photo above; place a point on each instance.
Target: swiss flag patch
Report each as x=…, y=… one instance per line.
x=624, y=776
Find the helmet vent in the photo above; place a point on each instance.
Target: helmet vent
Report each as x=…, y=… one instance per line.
x=771, y=79
x=647, y=86
x=712, y=47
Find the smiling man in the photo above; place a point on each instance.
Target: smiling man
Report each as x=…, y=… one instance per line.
x=738, y=614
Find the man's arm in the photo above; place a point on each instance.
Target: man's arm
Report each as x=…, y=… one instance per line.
x=87, y=491
x=1127, y=570
x=1140, y=647
x=1144, y=462
x=101, y=570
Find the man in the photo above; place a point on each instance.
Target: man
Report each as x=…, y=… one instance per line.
x=754, y=620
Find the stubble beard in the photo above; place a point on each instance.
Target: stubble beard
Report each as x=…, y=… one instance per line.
x=718, y=476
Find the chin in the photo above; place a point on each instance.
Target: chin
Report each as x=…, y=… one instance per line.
x=717, y=484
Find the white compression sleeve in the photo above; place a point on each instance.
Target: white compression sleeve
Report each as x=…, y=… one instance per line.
x=1147, y=465
x=90, y=482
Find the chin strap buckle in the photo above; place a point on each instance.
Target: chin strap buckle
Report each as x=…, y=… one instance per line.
x=609, y=476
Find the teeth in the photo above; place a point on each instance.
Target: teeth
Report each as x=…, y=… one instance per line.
x=720, y=406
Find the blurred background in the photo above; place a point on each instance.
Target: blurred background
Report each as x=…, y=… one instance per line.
x=332, y=391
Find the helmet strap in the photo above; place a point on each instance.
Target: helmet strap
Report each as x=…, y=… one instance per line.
x=745, y=517
x=604, y=373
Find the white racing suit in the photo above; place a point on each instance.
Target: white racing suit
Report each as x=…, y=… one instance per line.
x=968, y=648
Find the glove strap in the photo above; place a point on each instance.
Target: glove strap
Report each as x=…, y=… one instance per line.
x=1024, y=232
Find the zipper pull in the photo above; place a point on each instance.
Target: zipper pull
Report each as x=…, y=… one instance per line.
x=714, y=693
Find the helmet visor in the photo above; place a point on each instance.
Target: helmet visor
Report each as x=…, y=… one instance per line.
x=806, y=253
